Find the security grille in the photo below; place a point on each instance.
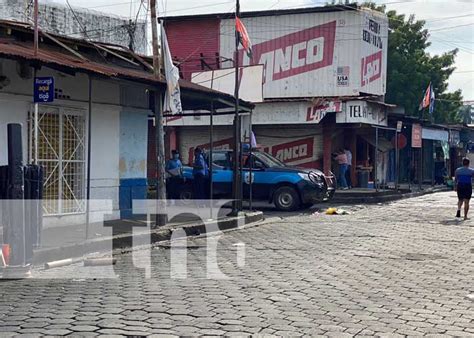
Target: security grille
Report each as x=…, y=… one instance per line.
x=61, y=152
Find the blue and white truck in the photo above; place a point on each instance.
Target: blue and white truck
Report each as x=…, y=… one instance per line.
x=288, y=188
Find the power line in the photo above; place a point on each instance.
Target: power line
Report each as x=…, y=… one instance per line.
x=451, y=27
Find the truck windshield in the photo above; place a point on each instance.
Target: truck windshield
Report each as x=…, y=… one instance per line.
x=269, y=160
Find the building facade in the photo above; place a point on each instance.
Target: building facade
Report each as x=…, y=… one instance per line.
x=79, y=23
x=324, y=78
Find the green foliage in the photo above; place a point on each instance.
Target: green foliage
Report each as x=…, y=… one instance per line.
x=411, y=68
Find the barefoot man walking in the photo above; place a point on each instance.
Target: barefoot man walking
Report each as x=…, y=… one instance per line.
x=463, y=186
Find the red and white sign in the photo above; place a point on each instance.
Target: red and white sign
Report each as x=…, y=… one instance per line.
x=295, y=53
x=302, y=112
x=325, y=54
x=316, y=113
x=371, y=68
x=294, y=151
x=416, y=136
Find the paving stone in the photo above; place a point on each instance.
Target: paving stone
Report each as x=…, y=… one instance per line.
x=84, y=328
x=56, y=332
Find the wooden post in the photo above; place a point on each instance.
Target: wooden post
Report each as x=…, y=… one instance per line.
x=160, y=135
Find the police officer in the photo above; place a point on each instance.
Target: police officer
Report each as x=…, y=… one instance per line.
x=200, y=172
x=174, y=169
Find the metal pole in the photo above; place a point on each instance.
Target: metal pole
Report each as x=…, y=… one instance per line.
x=396, y=160
x=89, y=137
x=251, y=164
x=211, y=149
x=35, y=19
x=160, y=144
x=36, y=127
x=376, y=157
x=420, y=175
x=36, y=131
x=236, y=206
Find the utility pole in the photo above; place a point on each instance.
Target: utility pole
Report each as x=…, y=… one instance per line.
x=36, y=46
x=160, y=135
x=236, y=186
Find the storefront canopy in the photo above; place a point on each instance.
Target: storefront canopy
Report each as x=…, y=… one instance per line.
x=435, y=134
x=384, y=145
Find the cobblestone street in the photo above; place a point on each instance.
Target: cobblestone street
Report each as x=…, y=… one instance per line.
x=404, y=268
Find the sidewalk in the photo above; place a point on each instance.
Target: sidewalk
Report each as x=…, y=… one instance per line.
x=366, y=195
x=59, y=243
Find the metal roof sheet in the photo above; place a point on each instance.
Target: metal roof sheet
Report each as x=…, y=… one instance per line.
x=50, y=55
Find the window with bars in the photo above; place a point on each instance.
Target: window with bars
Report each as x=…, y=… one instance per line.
x=61, y=152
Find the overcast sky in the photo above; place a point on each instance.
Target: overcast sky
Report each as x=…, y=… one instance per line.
x=450, y=22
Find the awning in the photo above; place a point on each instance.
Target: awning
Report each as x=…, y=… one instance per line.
x=384, y=145
x=435, y=134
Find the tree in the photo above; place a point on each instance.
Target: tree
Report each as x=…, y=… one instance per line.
x=410, y=68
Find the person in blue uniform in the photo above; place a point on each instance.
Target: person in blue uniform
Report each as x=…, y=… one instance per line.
x=463, y=185
x=174, y=171
x=200, y=172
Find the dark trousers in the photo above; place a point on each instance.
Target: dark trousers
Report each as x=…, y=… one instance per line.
x=348, y=176
x=199, y=187
x=173, y=186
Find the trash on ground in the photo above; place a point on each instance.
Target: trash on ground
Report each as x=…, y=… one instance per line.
x=335, y=211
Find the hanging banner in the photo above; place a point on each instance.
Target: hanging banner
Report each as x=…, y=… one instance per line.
x=43, y=89
x=416, y=134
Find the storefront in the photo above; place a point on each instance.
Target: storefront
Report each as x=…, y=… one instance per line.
x=435, y=154
x=362, y=128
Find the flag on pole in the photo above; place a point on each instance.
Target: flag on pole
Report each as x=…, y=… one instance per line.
x=428, y=99
x=173, y=94
x=243, y=36
x=432, y=100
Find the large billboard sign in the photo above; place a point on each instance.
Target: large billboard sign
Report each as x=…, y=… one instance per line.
x=315, y=54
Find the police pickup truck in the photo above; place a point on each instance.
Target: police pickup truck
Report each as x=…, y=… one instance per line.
x=288, y=188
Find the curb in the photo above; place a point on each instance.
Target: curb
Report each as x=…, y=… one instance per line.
x=124, y=241
x=387, y=198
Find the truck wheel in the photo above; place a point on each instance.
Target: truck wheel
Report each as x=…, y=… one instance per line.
x=286, y=199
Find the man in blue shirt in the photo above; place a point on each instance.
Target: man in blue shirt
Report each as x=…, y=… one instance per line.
x=200, y=172
x=174, y=171
x=463, y=186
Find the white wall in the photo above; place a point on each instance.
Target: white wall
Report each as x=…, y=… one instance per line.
x=12, y=110
x=16, y=102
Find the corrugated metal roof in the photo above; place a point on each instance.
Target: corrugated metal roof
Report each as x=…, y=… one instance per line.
x=51, y=55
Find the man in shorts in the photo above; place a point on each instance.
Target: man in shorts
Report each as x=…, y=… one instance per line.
x=463, y=186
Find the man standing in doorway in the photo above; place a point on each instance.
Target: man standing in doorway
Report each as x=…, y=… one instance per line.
x=463, y=186
x=349, y=167
x=341, y=159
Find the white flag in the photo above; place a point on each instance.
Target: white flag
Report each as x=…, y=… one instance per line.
x=173, y=94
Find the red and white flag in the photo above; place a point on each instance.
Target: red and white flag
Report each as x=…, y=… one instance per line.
x=243, y=36
x=425, y=102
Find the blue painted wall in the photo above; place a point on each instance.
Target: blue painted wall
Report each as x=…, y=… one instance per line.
x=133, y=159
